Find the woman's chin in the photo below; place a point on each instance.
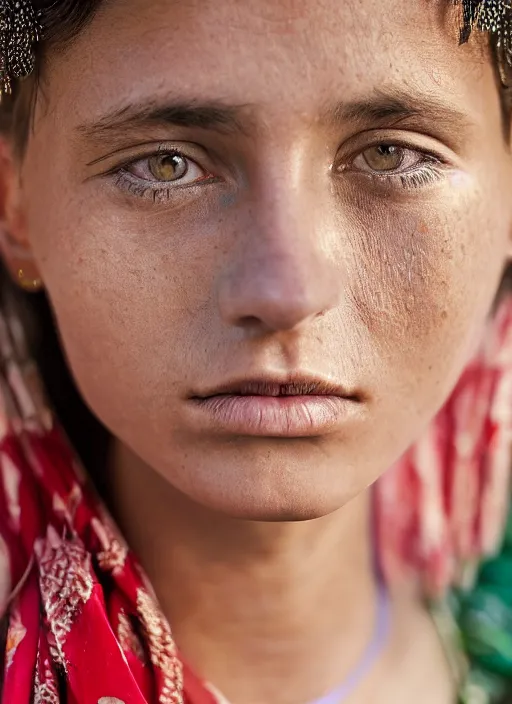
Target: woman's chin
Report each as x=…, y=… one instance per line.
x=272, y=495
x=277, y=509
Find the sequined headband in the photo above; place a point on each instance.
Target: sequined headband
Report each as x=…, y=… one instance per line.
x=494, y=17
x=21, y=28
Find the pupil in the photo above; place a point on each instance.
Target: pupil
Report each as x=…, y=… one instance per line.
x=169, y=167
x=386, y=150
x=171, y=161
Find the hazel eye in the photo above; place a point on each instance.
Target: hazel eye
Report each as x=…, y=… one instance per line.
x=168, y=167
x=384, y=157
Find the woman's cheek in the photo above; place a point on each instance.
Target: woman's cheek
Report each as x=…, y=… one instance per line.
x=423, y=281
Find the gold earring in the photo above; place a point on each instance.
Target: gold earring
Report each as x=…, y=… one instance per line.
x=28, y=283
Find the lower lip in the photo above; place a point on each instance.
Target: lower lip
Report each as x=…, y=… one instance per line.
x=276, y=416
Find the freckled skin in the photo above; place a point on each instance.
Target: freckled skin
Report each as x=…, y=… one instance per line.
x=284, y=264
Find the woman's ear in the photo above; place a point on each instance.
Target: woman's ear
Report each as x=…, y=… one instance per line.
x=14, y=243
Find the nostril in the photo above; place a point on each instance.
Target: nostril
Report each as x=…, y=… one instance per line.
x=250, y=321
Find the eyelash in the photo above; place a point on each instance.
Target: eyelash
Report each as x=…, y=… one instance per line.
x=430, y=169
x=128, y=183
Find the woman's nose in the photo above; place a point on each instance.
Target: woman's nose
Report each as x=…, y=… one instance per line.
x=285, y=270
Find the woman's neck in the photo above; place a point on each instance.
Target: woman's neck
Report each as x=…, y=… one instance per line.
x=256, y=608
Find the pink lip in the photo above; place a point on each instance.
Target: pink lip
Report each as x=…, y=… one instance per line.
x=304, y=408
x=275, y=416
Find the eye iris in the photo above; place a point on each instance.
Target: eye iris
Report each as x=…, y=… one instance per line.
x=384, y=157
x=167, y=167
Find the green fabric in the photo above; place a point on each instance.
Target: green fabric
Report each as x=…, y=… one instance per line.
x=476, y=627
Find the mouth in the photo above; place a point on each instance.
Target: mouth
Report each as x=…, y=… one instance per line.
x=266, y=407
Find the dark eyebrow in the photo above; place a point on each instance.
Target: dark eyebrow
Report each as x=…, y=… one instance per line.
x=395, y=107
x=211, y=115
x=381, y=108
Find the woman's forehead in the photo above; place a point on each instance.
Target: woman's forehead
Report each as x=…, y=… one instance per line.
x=268, y=54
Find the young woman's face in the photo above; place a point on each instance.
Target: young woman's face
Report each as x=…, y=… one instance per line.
x=219, y=191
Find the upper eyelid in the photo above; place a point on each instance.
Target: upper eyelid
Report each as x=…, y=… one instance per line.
x=196, y=152
x=405, y=139
x=123, y=157
x=423, y=157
